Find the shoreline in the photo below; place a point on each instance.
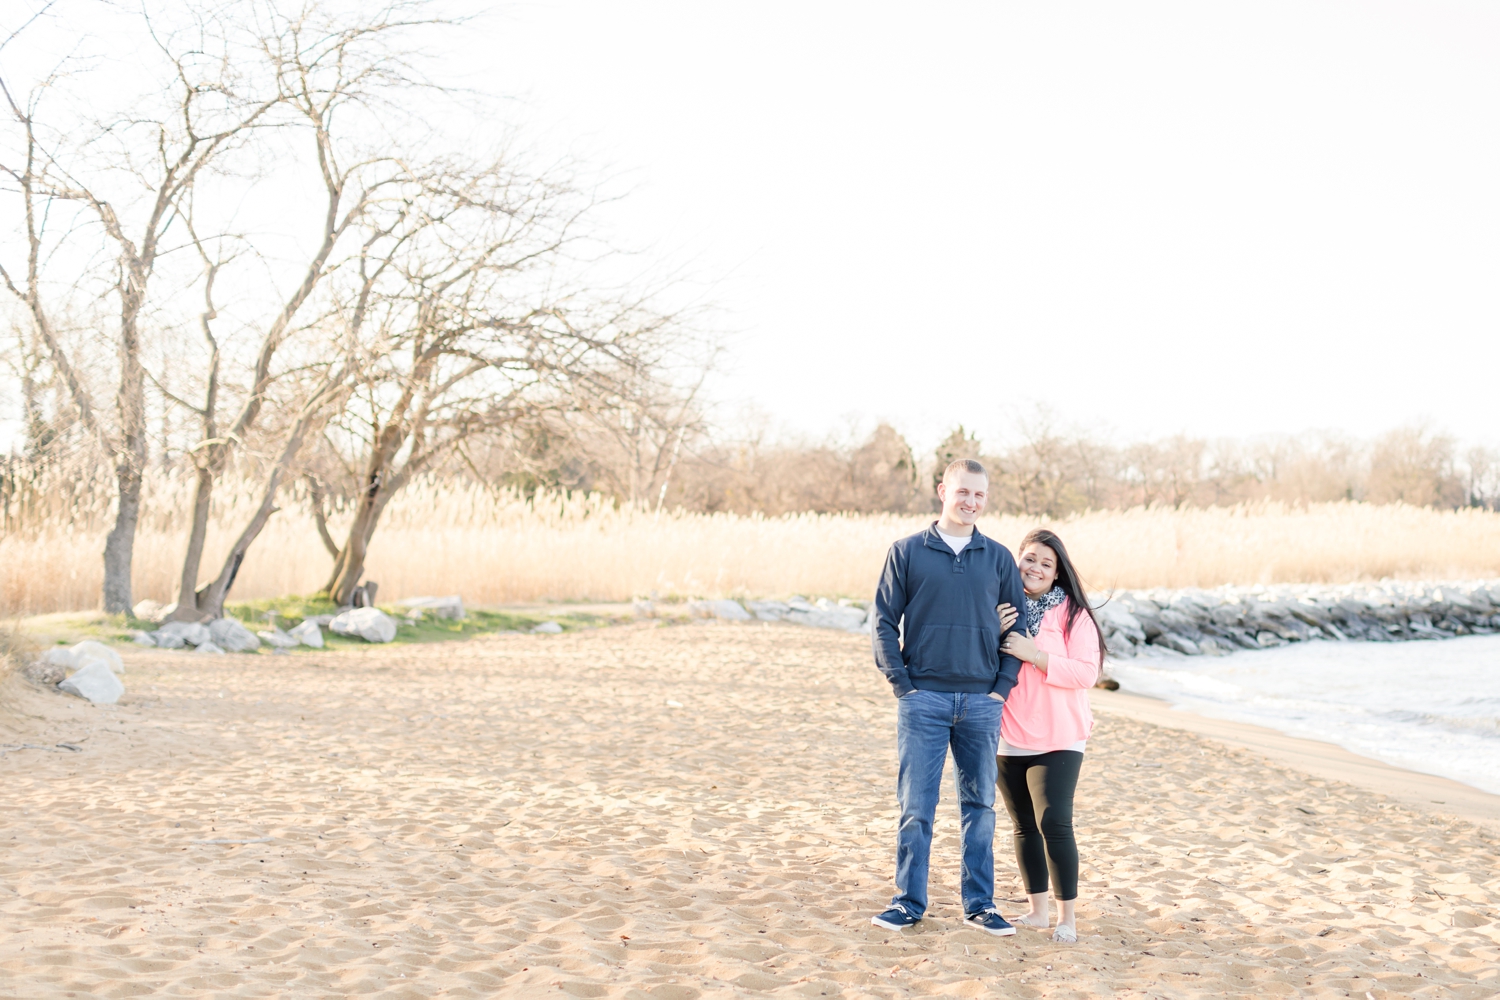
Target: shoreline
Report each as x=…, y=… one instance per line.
x=1427, y=793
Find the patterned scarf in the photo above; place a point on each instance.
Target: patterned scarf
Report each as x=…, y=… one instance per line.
x=1036, y=607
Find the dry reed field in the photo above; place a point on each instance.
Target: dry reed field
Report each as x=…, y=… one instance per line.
x=501, y=547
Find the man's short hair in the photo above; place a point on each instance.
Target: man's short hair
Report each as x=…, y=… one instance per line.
x=965, y=465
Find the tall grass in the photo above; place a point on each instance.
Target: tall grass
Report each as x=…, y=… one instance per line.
x=445, y=537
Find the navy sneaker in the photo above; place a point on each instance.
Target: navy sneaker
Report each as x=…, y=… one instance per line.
x=895, y=919
x=991, y=922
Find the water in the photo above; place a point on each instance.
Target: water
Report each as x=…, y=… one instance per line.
x=1432, y=707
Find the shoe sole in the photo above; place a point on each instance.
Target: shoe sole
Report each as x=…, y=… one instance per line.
x=890, y=927
x=1001, y=932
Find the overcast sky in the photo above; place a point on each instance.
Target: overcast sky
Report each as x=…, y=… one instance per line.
x=1155, y=218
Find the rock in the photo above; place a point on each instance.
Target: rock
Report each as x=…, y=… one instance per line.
x=370, y=624
x=547, y=628
x=191, y=633
x=278, y=639
x=1114, y=619
x=61, y=656
x=829, y=616
x=143, y=638
x=94, y=682
x=166, y=640
x=308, y=634
x=208, y=647
x=451, y=606
x=1177, y=643
x=768, y=611
x=230, y=636
x=726, y=610
x=644, y=609
x=1209, y=646
x=91, y=649
x=1268, y=639
x=150, y=611
x=44, y=673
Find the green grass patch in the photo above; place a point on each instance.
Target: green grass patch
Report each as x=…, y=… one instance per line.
x=68, y=627
x=71, y=627
x=292, y=610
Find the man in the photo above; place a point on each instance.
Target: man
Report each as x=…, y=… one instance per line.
x=940, y=590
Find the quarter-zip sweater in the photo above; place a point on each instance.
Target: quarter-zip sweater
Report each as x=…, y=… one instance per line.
x=943, y=606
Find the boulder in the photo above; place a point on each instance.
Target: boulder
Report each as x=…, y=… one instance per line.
x=726, y=610
x=191, y=633
x=166, y=640
x=768, y=611
x=150, y=611
x=208, y=647
x=308, y=634
x=61, y=656
x=451, y=606
x=1177, y=643
x=94, y=682
x=230, y=636
x=829, y=616
x=143, y=638
x=1115, y=620
x=279, y=639
x=370, y=624
x=91, y=649
x=547, y=628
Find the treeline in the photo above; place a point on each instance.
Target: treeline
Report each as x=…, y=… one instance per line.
x=1041, y=471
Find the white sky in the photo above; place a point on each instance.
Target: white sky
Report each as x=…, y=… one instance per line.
x=1153, y=217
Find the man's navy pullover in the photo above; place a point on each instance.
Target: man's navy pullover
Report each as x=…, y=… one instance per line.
x=952, y=630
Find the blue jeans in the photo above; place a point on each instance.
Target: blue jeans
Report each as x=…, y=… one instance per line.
x=928, y=725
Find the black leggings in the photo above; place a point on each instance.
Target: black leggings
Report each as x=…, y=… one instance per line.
x=1042, y=785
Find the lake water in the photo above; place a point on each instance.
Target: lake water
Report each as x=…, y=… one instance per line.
x=1432, y=707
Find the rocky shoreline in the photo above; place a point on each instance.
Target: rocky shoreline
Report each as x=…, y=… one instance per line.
x=1196, y=622
x=1216, y=622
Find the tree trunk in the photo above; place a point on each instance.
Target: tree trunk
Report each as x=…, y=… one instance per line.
x=210, y=600
x=351, y=562
x=119, y=546
x=187, y=596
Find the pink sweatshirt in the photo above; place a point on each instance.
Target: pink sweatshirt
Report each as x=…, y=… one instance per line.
x=1050, y=711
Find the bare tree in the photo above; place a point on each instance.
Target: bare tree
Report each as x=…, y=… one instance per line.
x=1415, y=466
x=467, y=332
x=325, y=65
x=119, y=182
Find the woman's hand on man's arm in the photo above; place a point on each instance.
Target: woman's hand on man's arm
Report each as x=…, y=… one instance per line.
x=1022, y=647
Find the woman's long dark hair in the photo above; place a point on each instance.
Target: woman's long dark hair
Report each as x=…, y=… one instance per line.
x=1067, y=579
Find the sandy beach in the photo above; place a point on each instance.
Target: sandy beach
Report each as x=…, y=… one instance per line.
x=673, y=812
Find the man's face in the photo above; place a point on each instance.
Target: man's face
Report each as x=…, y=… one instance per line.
x=964, y=495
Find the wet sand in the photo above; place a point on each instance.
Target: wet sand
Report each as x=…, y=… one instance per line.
x=672, y=812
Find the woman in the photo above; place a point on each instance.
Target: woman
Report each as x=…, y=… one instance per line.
x=1046, y=723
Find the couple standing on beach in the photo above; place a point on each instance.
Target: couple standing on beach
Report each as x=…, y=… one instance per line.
x=993, y=661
